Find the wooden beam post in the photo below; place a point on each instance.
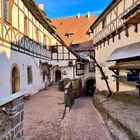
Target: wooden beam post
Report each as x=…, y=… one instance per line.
x=117, y=82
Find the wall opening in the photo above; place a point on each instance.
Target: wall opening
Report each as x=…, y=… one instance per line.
x=89, y=87
x=15, y=79
x=57, y=75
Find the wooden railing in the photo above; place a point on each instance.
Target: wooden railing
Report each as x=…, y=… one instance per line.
x=12, y=38
x=73, y=90
x=29, y=46
x=113, y=26
x=69, y=97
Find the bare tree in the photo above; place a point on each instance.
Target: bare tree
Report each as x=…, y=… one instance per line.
x=103, y=76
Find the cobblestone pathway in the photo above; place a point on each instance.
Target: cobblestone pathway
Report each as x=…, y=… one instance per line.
x=43, y=115
x=83, y=123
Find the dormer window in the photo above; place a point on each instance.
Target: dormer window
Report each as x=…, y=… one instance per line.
x=71, y=36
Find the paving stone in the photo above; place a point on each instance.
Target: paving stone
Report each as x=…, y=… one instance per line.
x=42, y=118
x=42, y=115
x=84, y=122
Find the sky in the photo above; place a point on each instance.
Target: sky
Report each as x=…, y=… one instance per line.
x=66, y=8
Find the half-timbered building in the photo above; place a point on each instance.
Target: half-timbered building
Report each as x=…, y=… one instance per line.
x=25, y=37
x=75, y=31
x=116, y=36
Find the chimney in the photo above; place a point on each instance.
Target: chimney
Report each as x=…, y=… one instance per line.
x=88, y=15
x=41, y=6
x=78, y=15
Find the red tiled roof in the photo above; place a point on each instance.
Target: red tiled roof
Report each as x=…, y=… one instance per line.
x=76, y=26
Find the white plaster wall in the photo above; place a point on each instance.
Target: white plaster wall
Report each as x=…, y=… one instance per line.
x=87, y=73
x=69, y=70
x=103, y=52
x=7, y=59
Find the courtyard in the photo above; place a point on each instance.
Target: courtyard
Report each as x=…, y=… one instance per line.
x=44, y=118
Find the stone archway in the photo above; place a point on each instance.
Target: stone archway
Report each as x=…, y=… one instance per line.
x=89, y=87
x=15, y=79
x=58, y=75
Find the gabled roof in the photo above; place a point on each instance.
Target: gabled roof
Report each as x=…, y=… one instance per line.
x=78, y=26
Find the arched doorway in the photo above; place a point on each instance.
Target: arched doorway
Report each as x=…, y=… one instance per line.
x=15, y=79
x=57, y=75
x=89, y=87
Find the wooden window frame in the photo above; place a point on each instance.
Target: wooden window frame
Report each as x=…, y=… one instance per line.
x=6, y=8
x=37, y=34
x=45, y=41
x=91, y=66
x=81, y=67
x=70, y=63
x=71, y=36
x=104, y=23
x=29, y=75
x=26, y=26
x=54, y=49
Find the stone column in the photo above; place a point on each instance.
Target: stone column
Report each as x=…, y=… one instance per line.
x=11, y=112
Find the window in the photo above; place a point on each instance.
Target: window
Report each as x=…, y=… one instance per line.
x=80, y=68
x=54, y=49
x=15, y=79
x=91, y=67
x=26, y=26
x=49, y=43
x=103, y=23
x=71, y=36
x=5, y=10
x=44, y=42
x=70, y=63
x=75, y=46
x=29, y=74
x=37, y=34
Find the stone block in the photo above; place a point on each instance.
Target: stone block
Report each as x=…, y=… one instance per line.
x=22, y=116
x=19, y=134
x=4, y=138
x=14, y=103
x=8, y=137
x=15, y=120
x=17, y=130
x=20, y=107
x=21, y=126
x=21, y=100
x=22, y=132
x=12, y=133
x=12, y=113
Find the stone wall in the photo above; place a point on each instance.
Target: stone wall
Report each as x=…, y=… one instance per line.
x=11, y=119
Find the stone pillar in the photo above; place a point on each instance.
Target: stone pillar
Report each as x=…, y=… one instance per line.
x=14, y=112
x=16, y=116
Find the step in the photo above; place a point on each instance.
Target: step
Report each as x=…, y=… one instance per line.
x=124, y=116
